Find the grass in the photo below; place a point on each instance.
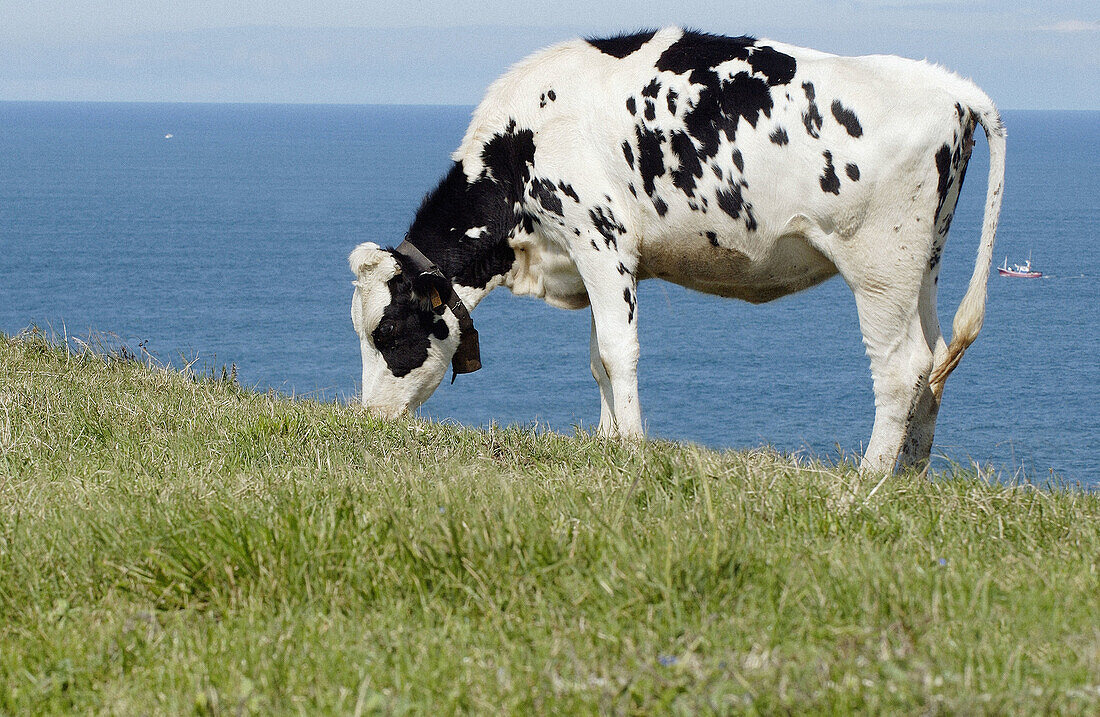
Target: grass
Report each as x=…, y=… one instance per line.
x=175, y=544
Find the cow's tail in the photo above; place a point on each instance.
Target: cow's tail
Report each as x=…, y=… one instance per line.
x=971, y=313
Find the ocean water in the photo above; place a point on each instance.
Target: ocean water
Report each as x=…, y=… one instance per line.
x=228, y=241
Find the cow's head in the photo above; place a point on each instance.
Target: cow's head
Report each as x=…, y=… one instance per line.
x=409, y=327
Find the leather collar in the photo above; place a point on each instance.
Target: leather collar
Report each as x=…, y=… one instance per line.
x=467, y=358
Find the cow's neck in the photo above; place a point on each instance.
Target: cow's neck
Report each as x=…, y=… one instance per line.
x=464, y=225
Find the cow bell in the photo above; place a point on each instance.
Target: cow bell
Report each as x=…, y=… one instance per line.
x=467, y=358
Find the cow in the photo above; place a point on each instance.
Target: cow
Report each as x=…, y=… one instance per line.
x=734, y=166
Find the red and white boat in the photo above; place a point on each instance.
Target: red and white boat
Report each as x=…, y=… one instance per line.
x=1022, y=271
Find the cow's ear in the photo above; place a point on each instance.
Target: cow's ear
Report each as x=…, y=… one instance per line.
x=432, y=289
x=365, y=258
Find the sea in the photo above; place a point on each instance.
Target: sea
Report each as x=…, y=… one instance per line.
x=218, y=235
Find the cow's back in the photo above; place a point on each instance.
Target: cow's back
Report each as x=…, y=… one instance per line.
x=728, y=162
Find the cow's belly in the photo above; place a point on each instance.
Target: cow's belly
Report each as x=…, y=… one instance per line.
x=757, y=273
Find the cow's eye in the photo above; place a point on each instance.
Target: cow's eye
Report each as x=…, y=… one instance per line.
x=386, y=330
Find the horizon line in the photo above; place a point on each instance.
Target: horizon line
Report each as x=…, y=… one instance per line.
x=310, y=103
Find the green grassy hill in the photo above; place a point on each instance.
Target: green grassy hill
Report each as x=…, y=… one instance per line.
x=171, y=545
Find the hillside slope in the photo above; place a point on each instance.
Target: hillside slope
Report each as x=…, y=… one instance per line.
x=170, y=545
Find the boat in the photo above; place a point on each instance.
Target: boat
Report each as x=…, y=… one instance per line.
x=1022, y=271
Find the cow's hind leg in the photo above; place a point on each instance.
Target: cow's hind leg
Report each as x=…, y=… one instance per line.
x=900, y=364
x=917, y=447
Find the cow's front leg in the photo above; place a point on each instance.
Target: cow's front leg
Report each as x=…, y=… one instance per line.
x=607, y=399
x=612, y=291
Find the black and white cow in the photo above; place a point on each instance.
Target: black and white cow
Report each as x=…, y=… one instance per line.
x=730, y=165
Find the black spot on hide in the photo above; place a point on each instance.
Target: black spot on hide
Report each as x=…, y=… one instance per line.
x=697, y=50
x=811, y=118
x=749, y=95
x=527, y=221
x=779, y=136
x=567, y=190
x=628, y=152
x=777, y=67
x=847, y=118
x=829, y=181
x=722, y=105
x=723, y=101
x=621, y=45
x=937, y=253
x=733, y=203
x=603, y=219
x=509, y=155
x=943, y=164
x=943, y=167
x=690, y=167
x=651, y=162
x=543, y=190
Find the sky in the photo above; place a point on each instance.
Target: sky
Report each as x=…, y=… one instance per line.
x=1024, y=54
